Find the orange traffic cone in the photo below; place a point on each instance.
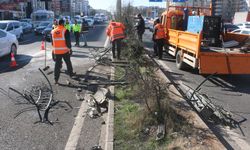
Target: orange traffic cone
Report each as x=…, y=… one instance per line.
x=13, y=60
x=42, y=46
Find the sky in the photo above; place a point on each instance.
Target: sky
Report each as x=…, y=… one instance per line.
x=110, y=4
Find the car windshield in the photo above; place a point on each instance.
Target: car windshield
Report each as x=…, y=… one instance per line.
x=44, y=24
x=3, y=25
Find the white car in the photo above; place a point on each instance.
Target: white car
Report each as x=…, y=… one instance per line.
x=13, y=27
x=242, y=31
x=8, y=43
x=243, y=25
x=90, y=22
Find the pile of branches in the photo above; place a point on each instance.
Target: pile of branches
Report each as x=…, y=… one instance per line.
x=141, y=72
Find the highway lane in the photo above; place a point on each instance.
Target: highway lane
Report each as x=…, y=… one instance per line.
x=21, y=132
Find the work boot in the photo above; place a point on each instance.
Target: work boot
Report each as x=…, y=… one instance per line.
x=56, y=82
x=73, y=75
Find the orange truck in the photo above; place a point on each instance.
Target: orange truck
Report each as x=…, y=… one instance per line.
x=195, y=50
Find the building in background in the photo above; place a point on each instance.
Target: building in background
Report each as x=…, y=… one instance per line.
x=13, y=9
x=79, y=7
x=224, y=8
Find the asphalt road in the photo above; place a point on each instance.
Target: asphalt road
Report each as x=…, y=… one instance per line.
x=232, y=92
x=22, y=132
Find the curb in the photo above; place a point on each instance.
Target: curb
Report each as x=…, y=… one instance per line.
x=109, y=139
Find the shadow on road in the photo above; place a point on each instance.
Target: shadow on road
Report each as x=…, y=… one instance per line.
x=234, y=83
x=21, y=60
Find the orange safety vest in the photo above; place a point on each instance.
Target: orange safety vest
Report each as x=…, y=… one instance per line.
x=160, y=34
x=115, y=30
x=59, y=43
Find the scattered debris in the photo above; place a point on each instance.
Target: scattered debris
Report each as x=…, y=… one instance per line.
x=41, y=97
x=211, y=112
x=160, y=132
x=97, y=101
x=97, y=147
x=79, y=97
x=93, y=113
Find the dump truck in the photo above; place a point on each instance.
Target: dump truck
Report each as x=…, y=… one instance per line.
x=198, y=40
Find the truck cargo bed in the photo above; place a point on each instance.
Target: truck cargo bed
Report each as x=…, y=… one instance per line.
x=223, y=62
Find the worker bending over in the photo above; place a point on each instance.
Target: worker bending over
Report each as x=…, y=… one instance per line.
x=115, y=31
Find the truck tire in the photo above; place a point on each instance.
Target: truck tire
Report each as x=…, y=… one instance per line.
x=179, y=63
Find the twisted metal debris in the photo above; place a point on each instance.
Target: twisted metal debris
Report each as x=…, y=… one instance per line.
x=41, y=97
x=204, y=105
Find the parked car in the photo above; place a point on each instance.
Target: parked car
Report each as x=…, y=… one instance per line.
x=39, y=29
x=242, y=31
x=90, y=22
x=13, y=27
x=26, y=20
x=8, y=43
x=27, y=27
x=47, y=32
x=243, y=25
x=230, y=27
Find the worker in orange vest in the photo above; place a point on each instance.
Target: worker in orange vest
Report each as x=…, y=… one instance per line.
x=159, y=37
x=62, y=49
x=115, y=31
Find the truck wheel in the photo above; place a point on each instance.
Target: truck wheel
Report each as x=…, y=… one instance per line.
x=179, y=63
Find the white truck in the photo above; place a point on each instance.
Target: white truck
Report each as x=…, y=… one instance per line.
x=40, y=16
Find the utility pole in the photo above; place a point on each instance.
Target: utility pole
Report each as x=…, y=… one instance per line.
x=167, y=4
x=118, y=9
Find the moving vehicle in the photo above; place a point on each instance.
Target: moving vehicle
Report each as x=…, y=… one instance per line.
x=90, y=22
x=13, y=27
x=200, y=46
x=27, y=27
x=39, y=29
x=40, y=16
x=8, y=43
x=242, y=31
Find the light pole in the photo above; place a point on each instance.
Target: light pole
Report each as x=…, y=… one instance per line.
x=118, y=9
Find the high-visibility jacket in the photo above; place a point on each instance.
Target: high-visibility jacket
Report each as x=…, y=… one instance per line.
x=159, y=31
x=76, y=28
x=59, y=42
x=68, y=27
x=115, y=30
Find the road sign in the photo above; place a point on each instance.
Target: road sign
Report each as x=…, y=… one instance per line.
x=155, y=0
x=179, y=0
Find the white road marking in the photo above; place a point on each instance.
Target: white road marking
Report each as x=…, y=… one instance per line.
x=77, y=128
x=78, y=124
